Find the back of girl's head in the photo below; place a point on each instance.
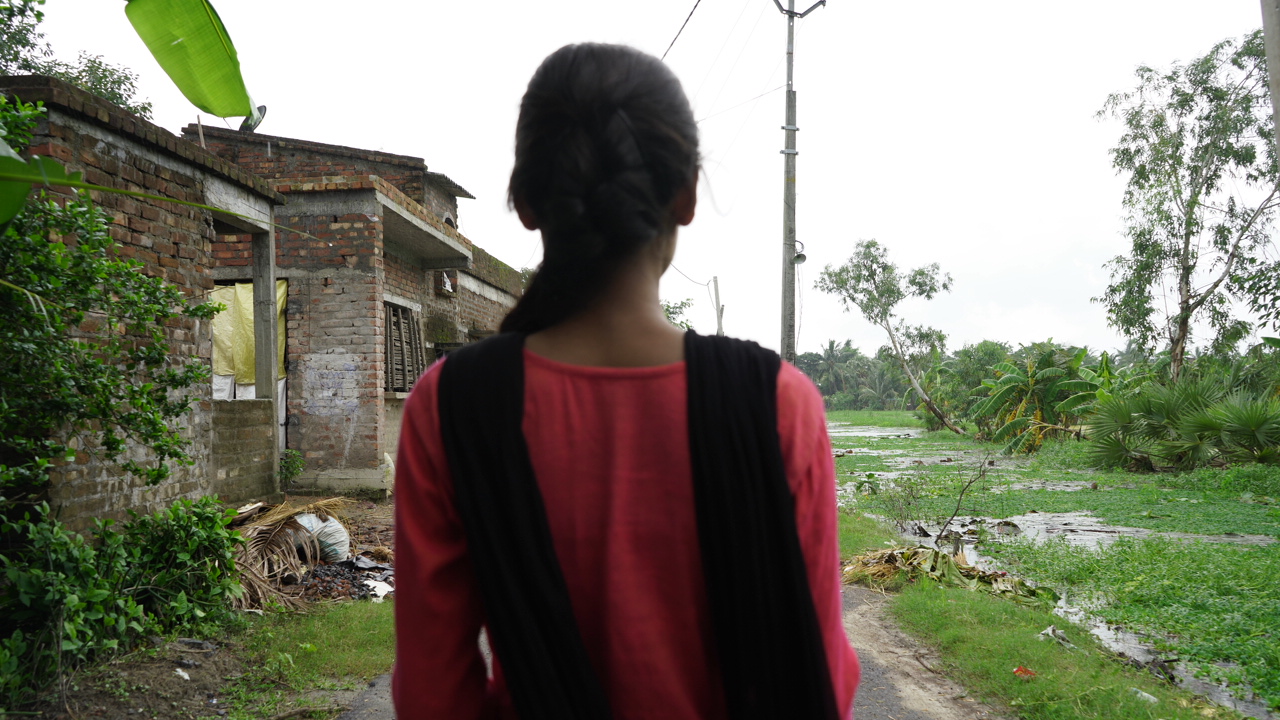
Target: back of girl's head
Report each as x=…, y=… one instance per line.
x=605, y=141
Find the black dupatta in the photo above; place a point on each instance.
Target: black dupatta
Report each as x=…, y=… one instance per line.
x=767, y=636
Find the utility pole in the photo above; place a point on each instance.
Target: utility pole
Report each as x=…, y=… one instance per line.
x=789, y=188
x=1271, y=39
x=715, y=280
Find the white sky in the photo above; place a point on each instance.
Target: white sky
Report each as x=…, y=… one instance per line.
x=957, y=133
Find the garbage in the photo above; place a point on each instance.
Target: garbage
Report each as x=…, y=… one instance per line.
x=1024, y=673
x=1053, y=633
x=335, y=582
x=881, y=566
x=379, y=590
x=1144, y=696
x=181, y=673
x=333, y=538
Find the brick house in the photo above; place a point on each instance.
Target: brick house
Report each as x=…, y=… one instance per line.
x=233, y=444
x=379, y=282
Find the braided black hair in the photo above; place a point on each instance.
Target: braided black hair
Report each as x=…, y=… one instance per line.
x=605, y=141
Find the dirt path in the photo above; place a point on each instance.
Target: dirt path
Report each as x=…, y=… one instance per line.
x=898, y=680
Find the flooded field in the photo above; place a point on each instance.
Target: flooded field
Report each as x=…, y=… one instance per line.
x=998, y=509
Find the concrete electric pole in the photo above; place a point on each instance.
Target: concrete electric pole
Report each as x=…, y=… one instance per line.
x=789, y=188
x=1271, y=38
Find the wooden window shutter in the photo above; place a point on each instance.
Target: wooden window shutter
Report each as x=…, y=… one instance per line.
x=405, y=354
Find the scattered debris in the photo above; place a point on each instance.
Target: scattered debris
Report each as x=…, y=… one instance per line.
x=880, y=566
x=379, y=590
x=181, y=673
x=1024, y=673
x=1144, y=696
x=334, y=582
x=329, y=534
x=1053, y=633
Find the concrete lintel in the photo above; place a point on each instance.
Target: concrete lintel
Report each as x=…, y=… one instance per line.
x=225, y=196
x=409, y=232
x=331, y=202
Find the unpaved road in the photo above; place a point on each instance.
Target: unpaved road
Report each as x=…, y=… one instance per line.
x=897, y=682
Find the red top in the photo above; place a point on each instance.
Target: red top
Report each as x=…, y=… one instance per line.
x=610, y=449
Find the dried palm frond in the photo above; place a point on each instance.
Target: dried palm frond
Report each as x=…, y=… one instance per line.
x=269, y=554
x=323, y=509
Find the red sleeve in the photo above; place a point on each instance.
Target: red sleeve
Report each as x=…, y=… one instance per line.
x=439, y=670
x=806, y=450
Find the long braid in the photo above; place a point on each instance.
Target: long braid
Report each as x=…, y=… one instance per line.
x=604, y=142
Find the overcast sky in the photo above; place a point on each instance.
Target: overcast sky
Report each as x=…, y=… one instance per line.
x=962, y=133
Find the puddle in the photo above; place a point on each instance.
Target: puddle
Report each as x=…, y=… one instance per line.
x=1058, y=485
x=1086, y=530
x=846, y=430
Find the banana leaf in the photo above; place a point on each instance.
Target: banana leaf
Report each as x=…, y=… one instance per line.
x=188, y=40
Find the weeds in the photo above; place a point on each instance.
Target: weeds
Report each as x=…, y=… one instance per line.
x=1208, y=603
x=983, y=639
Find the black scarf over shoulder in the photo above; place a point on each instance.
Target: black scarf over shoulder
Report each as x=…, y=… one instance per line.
x=766, y=631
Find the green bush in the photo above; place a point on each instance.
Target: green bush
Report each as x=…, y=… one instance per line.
x=65, y=601
x=1184, y=426
x=182, y=564
x=291, y=465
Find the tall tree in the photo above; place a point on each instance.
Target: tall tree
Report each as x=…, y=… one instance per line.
x=875, y=286
x=23, y=50
x=1202, y=182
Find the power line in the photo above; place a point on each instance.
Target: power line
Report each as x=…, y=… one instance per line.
x=686, y=277
x=723, y=45
x=677, y=37
x=744, y=102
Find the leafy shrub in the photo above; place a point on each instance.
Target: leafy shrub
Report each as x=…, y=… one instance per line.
x=182, y=566
x=65, y=601
x=1184, y=426
x=843, y=401
x=291, y=465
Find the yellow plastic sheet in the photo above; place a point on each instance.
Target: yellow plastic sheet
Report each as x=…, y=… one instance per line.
x=233, y=343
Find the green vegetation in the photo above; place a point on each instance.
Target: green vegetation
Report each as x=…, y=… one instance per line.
x=859, y=533
x=875, y=286
x=23, y=51
x=983, y=639
x=1207, y=603
x=1204, y=602
x=1198, y=152
x=342, y=645
x=876, y=418
x=66, y=601
x=1185, y=425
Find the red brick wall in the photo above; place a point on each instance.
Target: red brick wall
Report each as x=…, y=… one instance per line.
x=291, y=158
x=406, y=279
x=115, y=149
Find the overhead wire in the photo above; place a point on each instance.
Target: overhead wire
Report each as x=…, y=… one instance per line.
x=686, y=22
x=723, y=45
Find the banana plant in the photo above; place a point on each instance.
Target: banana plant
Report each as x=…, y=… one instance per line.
x=1022, y=400
x=192, y=46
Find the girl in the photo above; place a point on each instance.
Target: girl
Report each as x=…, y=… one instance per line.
x=643, y=519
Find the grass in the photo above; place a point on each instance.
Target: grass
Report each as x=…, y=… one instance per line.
x=876, y=418
x=859, y=533
x=982, y=639
x=338, y=646
x=1205, y=602
x=1146, y=506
